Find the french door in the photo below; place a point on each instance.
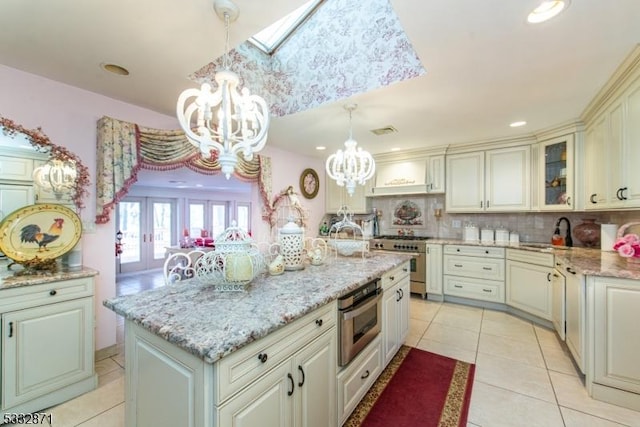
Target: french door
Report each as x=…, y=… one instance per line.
x=148, y=226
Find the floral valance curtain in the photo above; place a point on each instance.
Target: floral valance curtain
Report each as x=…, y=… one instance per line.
x=124, y=148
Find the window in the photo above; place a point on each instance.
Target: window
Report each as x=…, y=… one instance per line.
x=215, y=216
x=269, y=39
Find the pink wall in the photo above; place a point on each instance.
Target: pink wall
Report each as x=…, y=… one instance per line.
x=68, y=115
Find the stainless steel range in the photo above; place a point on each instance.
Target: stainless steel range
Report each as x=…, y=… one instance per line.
x=417, y=244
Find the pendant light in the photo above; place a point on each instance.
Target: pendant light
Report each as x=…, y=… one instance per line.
x=56, y=176
x=351, y=166
x=229, y=120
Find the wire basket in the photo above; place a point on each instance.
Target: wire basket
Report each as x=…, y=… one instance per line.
x=628, y=245
x=354, y=242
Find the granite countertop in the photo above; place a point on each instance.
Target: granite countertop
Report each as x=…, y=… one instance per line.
x=9, y=280
x=212, y=324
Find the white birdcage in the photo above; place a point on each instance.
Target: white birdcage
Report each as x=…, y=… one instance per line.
x=346, y=237
x=232, y=265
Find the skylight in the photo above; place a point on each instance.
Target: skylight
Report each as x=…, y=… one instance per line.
x=269, y=39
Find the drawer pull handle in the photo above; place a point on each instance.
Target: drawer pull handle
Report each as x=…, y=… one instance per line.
x=401, y=293
x=457, y=265
x=399, y=297
x=392, y=278
x=319, y=322
x=293, y=384
x=365, y=375
x=486, y=290
x=301, y=383
x=549, y=277
x=10, y=329
x=569, y=270
x=486, y=252
x=457, y=286
x=487, y=268
x=405, y=269
x=262, y=357
x=53, y=292
x=458, y=250
x=591, y=199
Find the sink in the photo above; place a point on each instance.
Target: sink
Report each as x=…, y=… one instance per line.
x=545, y=247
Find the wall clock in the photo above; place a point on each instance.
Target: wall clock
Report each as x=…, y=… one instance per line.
x=309, y=183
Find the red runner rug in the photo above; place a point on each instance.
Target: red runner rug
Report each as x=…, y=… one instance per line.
x=417, y=388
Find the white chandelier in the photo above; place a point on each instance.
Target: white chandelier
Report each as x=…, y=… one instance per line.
x=228, y=120
x=351, y=166
x=56, y=176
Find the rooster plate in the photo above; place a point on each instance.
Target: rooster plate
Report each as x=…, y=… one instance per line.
x=43, y=231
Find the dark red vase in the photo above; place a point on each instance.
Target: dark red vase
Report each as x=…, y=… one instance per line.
x=588, y=232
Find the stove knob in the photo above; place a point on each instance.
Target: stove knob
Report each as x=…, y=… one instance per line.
x=396, y=246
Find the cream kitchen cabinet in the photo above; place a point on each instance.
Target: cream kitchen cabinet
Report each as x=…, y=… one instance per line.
x=13, y=197
x=556, y=174
x=395, y=311
x=357, y=377
x=336, y=197
x=612, y=152
x=493, y=180
x=474, y=272
x=528, y=282
x=299, y=392
x=434, y=272
x=287, y=378
x=575, y=315
x=558, y=312
x=435, y=174
x=47, y=344
x=614, y=373
x=16, y=168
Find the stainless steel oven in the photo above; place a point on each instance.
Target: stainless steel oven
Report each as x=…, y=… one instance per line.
x=360, y=318
x=416, y=244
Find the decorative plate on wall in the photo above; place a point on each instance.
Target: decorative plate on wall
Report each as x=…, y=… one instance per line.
x=309, y=183
x=45, y=231
x=407, y=213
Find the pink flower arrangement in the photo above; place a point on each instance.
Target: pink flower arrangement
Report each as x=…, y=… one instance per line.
x=628, y=246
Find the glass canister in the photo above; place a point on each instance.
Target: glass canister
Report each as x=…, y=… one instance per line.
x=291, y=240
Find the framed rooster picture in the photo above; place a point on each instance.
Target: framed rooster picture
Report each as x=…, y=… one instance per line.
x=43, y=231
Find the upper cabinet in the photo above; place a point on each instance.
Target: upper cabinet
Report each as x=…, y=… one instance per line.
x=556, y=174
x=492, y=180
x=423, y=174
x=336, y=197
x=612, y=147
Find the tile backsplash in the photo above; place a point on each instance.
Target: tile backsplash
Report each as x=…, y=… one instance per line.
x=532, y=226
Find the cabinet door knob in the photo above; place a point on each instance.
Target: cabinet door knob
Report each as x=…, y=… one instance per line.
x=319, y=322
x=392, y=278
x=53, y=292
x=262, y=357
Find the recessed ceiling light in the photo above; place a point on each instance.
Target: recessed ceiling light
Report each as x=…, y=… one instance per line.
x=547, y=10
x=320, y=148
x=115, y=69
x=518, y=124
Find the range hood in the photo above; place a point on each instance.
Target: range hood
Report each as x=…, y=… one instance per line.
x=400, y=178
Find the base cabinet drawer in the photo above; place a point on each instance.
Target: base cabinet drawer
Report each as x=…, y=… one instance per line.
x=356, y=379
x=484, y=268
x=486, y=290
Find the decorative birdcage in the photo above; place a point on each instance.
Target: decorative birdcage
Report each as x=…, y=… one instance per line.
x=346, y=237
x=232, y=265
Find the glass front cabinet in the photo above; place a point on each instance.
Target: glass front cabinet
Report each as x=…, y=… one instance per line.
x=556, y=183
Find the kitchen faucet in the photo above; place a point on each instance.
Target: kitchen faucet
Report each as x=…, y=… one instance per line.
x=568, y=241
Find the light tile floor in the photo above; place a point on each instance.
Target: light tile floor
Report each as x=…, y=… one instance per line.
x=524, y=374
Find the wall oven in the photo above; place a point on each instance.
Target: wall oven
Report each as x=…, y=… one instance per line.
x=360, y=318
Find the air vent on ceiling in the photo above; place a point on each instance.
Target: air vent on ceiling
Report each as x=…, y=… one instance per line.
x=384, y=130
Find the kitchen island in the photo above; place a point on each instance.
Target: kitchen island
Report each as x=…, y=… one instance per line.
x=196, y=356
